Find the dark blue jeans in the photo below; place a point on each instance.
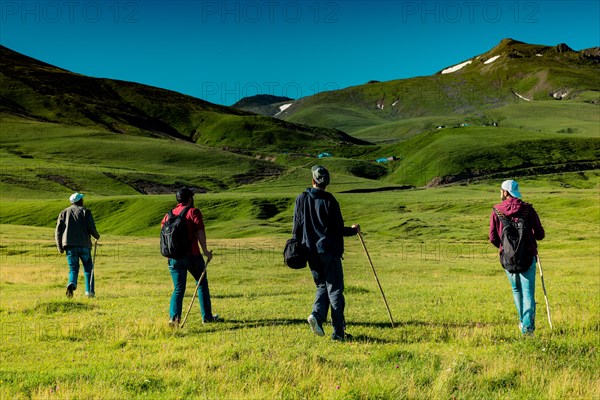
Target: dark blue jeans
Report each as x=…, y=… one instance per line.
x=179, y=269
x=328, y=275
x=74, y=254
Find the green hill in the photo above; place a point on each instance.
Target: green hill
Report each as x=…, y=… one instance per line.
x=510, y=74
x=63, y=131
x=466, y=153
x=43, y=159
x=36, y=90
x=263, y=104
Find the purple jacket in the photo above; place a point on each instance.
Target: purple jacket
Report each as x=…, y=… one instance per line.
x=512, y=207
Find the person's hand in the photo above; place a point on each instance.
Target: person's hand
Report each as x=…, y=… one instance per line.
x=357, y=227
x=208, y=255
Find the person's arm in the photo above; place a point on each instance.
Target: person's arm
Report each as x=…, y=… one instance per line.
x=58, y=233
x=494, y=238
x=536, y=225
x=298, y=217
x=91, y=225
x=346, y=230
x=202, y=240
x=198, y=221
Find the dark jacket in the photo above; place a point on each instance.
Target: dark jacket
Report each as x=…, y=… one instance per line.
x=512, y=208
x=74, y=226
x=318, y=221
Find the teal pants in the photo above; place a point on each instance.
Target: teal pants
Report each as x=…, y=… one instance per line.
x=523, y=288
x=74, y=254
x=179, y=269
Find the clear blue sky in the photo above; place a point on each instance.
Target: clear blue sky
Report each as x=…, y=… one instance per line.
x=221, y=51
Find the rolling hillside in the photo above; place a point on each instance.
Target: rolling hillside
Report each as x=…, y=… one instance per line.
x=39, y=91
x=63, y=131
x=511, y=73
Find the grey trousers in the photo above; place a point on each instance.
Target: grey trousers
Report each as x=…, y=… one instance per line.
x=328, y=275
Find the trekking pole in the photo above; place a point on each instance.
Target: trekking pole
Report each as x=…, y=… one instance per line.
x=93, y=265
x=376, y=278
x=544, y=287
x=194, y=296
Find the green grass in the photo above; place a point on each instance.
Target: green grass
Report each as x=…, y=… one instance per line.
x=456, y=334
x=475, y=152
x=573, y=117
x=346, y=118
x=565, y=116
x=42, y=160
x=37, y=157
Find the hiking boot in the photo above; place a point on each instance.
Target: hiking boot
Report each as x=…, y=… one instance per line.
x=174, y=322
x=70, y=289
x=215, y=318
x=344, y=338
x=528, y=333
x=315, y=326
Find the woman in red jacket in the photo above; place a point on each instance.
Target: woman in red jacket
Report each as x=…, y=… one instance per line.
x=522, y=280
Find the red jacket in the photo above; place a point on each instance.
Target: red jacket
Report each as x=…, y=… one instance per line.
x=195, y=223
x=512, y=207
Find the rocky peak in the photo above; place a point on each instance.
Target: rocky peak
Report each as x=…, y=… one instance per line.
x=563, y=48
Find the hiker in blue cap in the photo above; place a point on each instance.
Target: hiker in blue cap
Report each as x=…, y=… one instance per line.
x=515, y=229
x=318, y=221
x=74, y=226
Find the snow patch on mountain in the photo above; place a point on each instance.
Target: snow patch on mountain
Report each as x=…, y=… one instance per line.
x=491, y=60
x=282, y=108
x=456, y=67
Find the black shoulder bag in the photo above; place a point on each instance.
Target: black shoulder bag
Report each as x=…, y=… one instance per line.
x=294, y=254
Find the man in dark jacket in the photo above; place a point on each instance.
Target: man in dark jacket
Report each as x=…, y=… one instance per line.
x=523, y=283
x=74, y=226
x=318, y=221
x=192, y=262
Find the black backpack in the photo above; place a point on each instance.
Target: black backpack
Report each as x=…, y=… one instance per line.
x=174, y=236
x=517, y=255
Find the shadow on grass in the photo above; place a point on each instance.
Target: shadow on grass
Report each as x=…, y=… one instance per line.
x=404, y=331
x=233, y=326
x=252, y=295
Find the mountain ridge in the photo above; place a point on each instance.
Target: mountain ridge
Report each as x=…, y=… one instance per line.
x=445, y=128
x=510, y=72
x=34, y=89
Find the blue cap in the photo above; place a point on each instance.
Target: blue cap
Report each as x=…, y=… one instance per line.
x=75, y=197
x=512, y=187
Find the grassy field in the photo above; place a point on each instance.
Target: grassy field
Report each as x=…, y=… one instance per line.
x=572, y=117
x=456, y=334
